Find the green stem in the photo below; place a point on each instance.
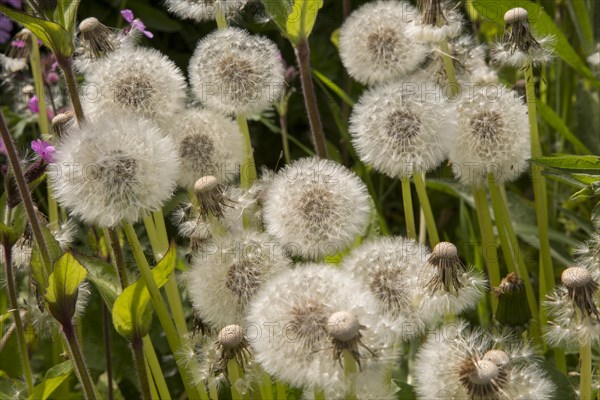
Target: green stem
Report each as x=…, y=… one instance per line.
x=284, y=132
x=137, y=347
x=235, y=373
x=83, y=374
x=36, y=72
x=510, y=244
x=248, y=172
x=157, y=374
x=160, y=307
x=281, y=389
x=383, y=227
x=15, y=165
x=310, y=98
x=220, y=18
x=266, y=387
x=426, y=207
x=116, y=255
x=350, y=371
x=409, y=213
x=449, y=68
x=67, y=68
x=14, y=305
x=585, y=380
x=539, y=191
x=107, y=350
x=319, y=394
x=488, y=241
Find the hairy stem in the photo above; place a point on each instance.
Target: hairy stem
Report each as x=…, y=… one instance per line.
x=67, y=68
x=107, y=350
x=15, y=165
x=116, y=255
x=11, y=290
x=409, y=213
x=157, y=374
x=83, y=373
x=426, y=207
x=310, y=98
x=137, y=348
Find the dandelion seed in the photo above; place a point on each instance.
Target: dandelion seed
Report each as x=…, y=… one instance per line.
x=234, y=72
x=113, y=169
x=493, y=138
x=232, y=269
x=402, y=128
x=376, y=45
x=316, y=208
x=204, y=10
x=136, y=80
x=519, y=47
x=60, y=123
x=95, y=37
x=209, y=144
x=439, y=22
x=299, y=305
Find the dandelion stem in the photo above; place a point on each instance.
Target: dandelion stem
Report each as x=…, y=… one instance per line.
x=426, y=207
x=14, y=305
x=488, y=241
x=248, y=172
x=220, y=18
x=160, y=307
x=137, y=347
x=310, y=98
x=157, y=374
x=36, y=72
x=15, y=165
x=350, y=371
x=319, y=394
x=81, y=369
x=510, y=244
x=284, y=129
x=585, y=382
x=67, y=68
x=107, y=350
x=449, y=68
x=281, y=389
x=235, y=374
x=409, y=214
x=266, y=387
x=116, y=255
x=539, y=191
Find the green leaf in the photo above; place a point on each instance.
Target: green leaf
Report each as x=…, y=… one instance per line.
x=103, y=276
x=132, y=312
x=334, y=88
x=70, y=14
x=558, y=124
x=54, y=378
x=50, y=33
x=301, y=20
x=155, y=18
x=543, y=25
x=279, y=11
x=39, y=273
x=63, y=285
x=15, y=231
x=571, y=164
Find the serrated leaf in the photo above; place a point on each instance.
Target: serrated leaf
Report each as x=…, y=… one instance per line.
x=543, y=25
x=63, y=285
x=571, y=164
x=301, y=19
x=558, y=124
x=50, y=33
x=53, y=379
x=132, y=311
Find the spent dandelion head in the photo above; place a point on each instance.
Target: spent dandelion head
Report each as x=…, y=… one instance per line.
x=210, y=195
x=96, y=38
x=234, y=72
x=316, y=208
x=204, y=10
x=513, y=310
x=376, y=45
x=439, y=22
x=113, y=169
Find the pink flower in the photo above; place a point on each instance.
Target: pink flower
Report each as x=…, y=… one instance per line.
x=136, y=23
x=34, y=104
x=44, y=149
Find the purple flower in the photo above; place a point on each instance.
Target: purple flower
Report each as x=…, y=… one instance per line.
x=6, y=27
x=34, y=104
x=136, y=23
x=44, y=149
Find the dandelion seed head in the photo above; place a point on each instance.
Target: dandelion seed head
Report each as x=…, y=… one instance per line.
x=400, y=130
x=204, y=10
x=137, y=80
x=448, y=25
x=234, y=72
x=232, y=268
x=316, y=208
x=376, y=45
x=493, y=138
x=113, y=169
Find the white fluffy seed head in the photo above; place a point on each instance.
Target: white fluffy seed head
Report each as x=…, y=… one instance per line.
x=403, y=128
x=451, y=28
x=343, y=326
x=231, y=336
x=376, y=45
x=208, y=144
x=235, y=72
x=316, y=208
x=498, y=357
x=112, y=169
x=232, y=269
x=484, y=373
x=575, y=277
x=204, y=10
x=88, y=24
x=515, y=15
x=137, y=80
x=493, y=138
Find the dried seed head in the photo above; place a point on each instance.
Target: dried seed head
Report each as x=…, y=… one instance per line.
x=20, y=47
x=482, y=379
x=444, y=258
x=209, y=193
x=96, y=37
x=498, y=357
x=231, y=336
x=59, y=123
x=515, y=15
x=581, y=288
x=232, y=344
x=343, y=326
x=432, y=11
